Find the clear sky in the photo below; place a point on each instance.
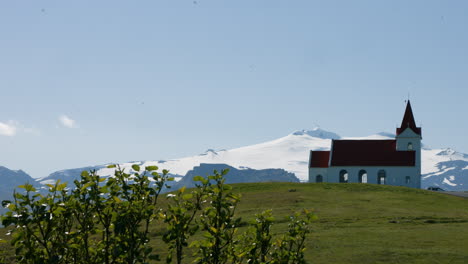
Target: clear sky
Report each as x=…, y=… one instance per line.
x=91, y=82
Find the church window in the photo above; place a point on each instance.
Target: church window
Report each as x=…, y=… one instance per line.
x=363, y=176
x=381, y=177
x=408, y=179
x=319, y=178
x=343, y=176
x=410, y=146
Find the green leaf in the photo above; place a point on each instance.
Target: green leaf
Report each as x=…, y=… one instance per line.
x=84, y=174
x=87, y=185
x=198, y=178
x=182, y=190
x=28, y=187
x=187, y=196
x=151, y=168
x=61, y=186
x=111, y=166
x=135, y=167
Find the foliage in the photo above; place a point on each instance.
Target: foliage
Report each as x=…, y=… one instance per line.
x=290, y=248
x=97, y=222
x=256, y=242
x=179, y=216
x=218, y=222
x=104, y=220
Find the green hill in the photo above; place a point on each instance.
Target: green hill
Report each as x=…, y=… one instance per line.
x=363, y=223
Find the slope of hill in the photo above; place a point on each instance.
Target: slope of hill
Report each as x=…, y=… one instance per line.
x=67, y=175
x=13, y=178
x=9, y=179
x=440, y=167
x=363, y=223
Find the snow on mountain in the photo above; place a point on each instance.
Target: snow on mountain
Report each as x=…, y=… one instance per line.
x=381, y=135
x=290, y=153
x=317, y=132
x=440, y=167
x=68, y=175
x=445, y=168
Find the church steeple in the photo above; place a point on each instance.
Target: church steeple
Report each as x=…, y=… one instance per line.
x=408, y=121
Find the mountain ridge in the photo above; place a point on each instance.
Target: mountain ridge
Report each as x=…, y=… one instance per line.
x=445, y=167
x=291, y=153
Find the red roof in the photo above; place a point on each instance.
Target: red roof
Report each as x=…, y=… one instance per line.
x=369, y=153
x=319, y=159
x=408, y=121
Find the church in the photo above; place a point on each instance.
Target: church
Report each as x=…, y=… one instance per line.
x=392, y=162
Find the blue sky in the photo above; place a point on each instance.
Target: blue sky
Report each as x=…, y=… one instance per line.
x=91, y=82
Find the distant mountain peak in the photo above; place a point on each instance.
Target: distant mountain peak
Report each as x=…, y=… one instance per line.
x=446, y=152
x=209, y=152
x=317, y=133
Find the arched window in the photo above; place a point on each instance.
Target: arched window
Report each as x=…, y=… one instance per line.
x=363, y=176
x=410, y=146
x=319, y=178
x=381, y=177
x=408, y=180
x=343, y=176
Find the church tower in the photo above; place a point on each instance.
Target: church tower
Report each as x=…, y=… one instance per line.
x=409, y=136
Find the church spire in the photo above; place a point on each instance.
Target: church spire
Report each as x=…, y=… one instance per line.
x=408, y=121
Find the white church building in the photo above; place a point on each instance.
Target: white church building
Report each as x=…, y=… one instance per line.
x=393, y=162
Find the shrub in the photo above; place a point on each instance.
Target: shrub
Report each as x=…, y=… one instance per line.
x=107, y=220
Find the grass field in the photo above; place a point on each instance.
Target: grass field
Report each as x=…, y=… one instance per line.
x=363, y=223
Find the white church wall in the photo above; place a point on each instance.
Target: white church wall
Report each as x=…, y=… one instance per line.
x=393, y=175
x=313, y=172
x=404, y=139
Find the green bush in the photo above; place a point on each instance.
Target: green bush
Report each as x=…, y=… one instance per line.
x=107, y=220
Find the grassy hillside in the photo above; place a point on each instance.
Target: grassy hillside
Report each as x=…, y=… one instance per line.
x=363, y=223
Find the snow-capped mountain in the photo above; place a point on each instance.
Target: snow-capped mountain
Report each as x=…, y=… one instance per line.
x=289, y=153
x=440, y=167
x=446, y=168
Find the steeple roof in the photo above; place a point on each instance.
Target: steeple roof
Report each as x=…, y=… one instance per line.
x=408, y=121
